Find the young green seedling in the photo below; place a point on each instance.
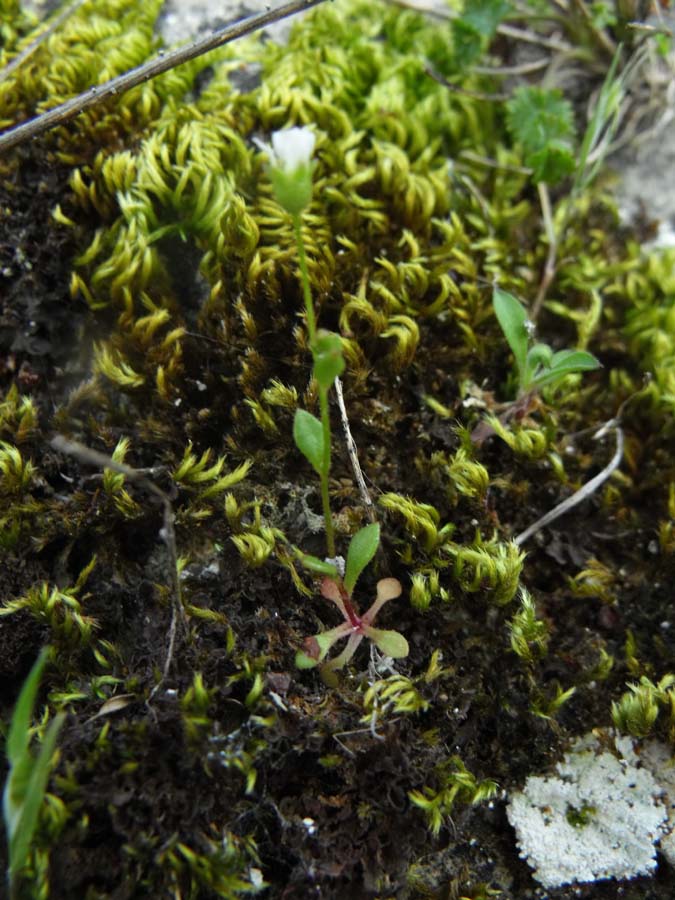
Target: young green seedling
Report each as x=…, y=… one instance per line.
x=537, y=364
x=291, y=169
x=28, y=775
x=355, y=627
x=291, y=175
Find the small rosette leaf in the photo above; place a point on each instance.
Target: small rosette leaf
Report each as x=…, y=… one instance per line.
x=316, y=648
x=391, y=643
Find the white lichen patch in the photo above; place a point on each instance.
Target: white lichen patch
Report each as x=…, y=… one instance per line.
x=657, y=757
x=598, y=817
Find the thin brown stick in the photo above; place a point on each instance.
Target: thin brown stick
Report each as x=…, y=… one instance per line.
x=531, y=37
x=508, y=71
x=488, y=163
x=101, y=461
x=463, y=92
x=169, y=60
x=49, y=29
x=354, y=454
x=585, y=490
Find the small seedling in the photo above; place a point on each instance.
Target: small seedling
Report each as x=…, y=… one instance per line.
x=537, y=364
x=291, y=169
x=28, y=775
x=355, y=627
x=290, y=172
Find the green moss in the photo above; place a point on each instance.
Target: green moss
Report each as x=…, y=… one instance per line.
x=193, y=360
x=456, y=785
x=650, y=326
x=97, y=42
x=638, y=709
x=14, y=23
x=60, y=609
x=221, y=866
x=529, y=635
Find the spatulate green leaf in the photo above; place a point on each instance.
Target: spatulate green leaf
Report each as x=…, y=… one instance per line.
x=362, y=549
x=391, y=643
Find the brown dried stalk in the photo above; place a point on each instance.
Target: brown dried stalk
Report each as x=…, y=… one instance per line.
x=162, y=63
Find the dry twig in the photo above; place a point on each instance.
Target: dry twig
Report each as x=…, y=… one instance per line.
x=585, y=491
x=354, y=454
x=49, y=29
x=162, y=63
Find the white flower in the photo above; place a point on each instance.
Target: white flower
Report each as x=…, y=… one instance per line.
x=292, y=148
x=291, y=167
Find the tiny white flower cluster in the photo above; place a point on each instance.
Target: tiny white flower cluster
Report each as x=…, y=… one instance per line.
x=292, y=148
x=291, y=167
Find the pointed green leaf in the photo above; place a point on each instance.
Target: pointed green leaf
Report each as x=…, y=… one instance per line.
x=17, y=740
x=600, y=131
x=512, y=317
x=20, y=841
x=362, y=548
x=27, y=779
x=308, y=437
x=565, y=363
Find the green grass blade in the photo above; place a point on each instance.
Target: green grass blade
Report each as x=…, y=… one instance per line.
x=17, y=740
x=20, y=840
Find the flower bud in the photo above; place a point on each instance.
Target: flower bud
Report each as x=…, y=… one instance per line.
x=291, y=167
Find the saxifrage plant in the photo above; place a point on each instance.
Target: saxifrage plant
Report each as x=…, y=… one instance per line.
x=291, y=169
x=290, y=172
x=355, y=627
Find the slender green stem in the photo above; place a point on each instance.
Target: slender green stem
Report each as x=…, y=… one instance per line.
x=304, y=273
x=325, y=469
x=323, y=394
